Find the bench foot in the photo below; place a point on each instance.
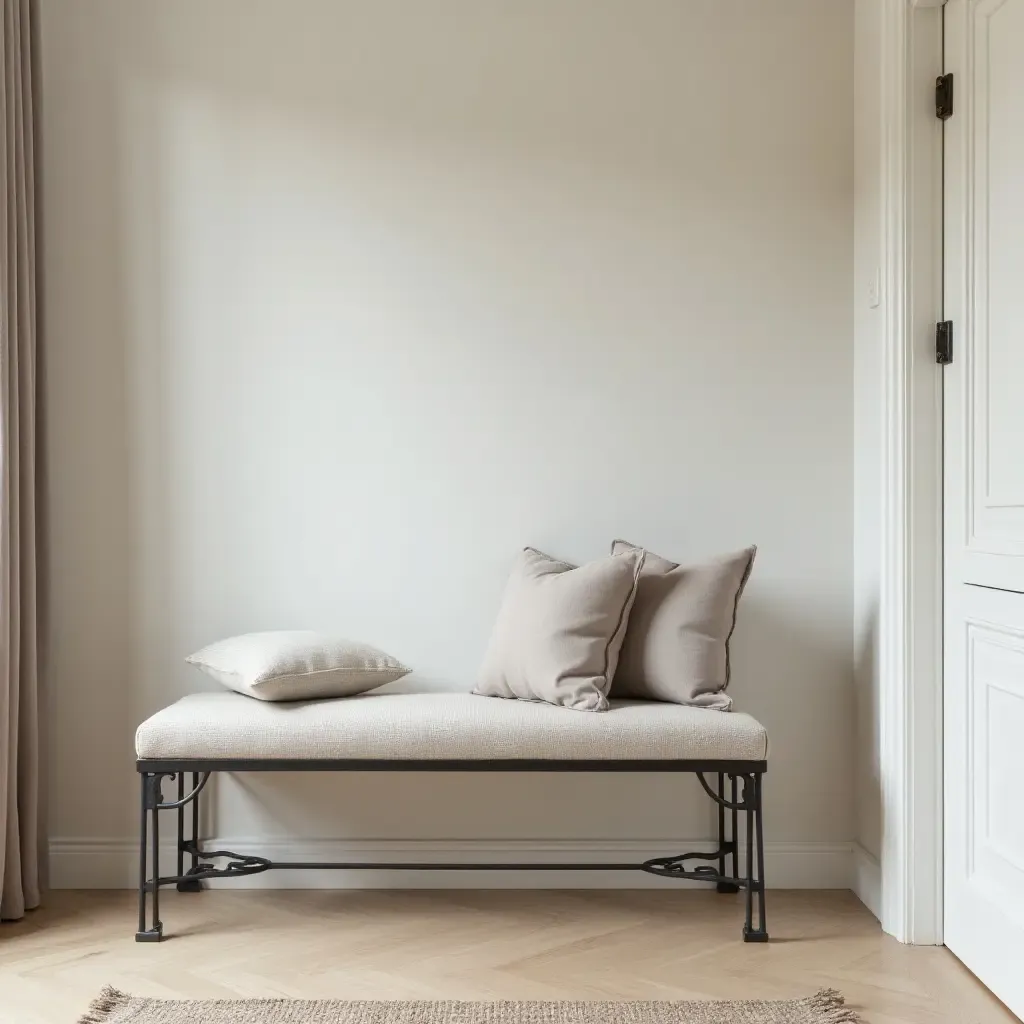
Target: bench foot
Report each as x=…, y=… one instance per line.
x=754, y=935
x=154, y=934
x=190, y=885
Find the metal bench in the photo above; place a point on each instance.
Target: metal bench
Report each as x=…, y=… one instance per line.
x=445, y=732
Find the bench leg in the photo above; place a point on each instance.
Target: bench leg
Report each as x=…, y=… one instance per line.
x=754, y=879
x=201, y=862
x=191, y=845
x=751, y=881
x=727, y=846
x=149, y=888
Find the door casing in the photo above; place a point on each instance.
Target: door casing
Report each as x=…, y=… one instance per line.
x=910, y=602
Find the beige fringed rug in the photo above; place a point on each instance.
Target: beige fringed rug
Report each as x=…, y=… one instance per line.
x=113, y=1007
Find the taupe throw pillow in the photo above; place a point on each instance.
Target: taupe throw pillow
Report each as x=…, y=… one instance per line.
x=677, y=644
x=560, y=628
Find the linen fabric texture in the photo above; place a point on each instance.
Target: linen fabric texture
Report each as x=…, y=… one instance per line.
x=560, y=628
x=441, y=726
x=23, y=701
x=676, y=646
x=296, y=665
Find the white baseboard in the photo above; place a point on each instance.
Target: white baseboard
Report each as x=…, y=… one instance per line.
x=113, y=863
x=867, y=879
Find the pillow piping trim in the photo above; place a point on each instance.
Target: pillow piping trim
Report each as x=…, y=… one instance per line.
x=735, y=613
x=205, y=666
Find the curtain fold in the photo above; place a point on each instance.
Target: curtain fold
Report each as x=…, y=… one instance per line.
x=21, y=849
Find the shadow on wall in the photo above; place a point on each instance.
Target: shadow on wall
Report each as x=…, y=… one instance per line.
x=808, y=727
x=866, y=764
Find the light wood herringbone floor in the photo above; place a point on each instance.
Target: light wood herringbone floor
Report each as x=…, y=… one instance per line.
x=476, y=945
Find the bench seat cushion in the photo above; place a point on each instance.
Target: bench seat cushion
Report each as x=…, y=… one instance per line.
x=442, y=726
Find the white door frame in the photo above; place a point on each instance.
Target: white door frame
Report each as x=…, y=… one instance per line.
x=910, y=610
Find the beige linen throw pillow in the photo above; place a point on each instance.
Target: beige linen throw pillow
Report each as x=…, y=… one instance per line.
x=560, y=628
x=677, y=644
x=296, y=665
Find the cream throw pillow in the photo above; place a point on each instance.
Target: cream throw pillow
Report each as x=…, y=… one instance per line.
x=296, y=665
x=559, y=630
x=677, y=644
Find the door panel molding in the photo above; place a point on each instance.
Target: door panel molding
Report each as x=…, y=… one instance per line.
x=994, y=520
x=984, y=899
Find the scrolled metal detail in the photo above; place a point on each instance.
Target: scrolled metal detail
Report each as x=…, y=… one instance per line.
x=673, y=867
x=238, y=864
x=171, y=804
x=743, y=804
x=154, y=797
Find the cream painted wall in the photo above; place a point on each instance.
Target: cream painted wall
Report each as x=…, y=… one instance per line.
x=868, y=319
x=346, y=301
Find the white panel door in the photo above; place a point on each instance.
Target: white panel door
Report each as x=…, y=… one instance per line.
x=984, y=494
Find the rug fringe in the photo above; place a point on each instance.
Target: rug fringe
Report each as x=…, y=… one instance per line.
x=832, y=1005
x=100, y=1009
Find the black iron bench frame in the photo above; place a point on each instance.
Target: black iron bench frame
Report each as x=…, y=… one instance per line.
x=743, y=777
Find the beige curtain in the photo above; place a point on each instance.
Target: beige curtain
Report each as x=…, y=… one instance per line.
x=20, y=819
